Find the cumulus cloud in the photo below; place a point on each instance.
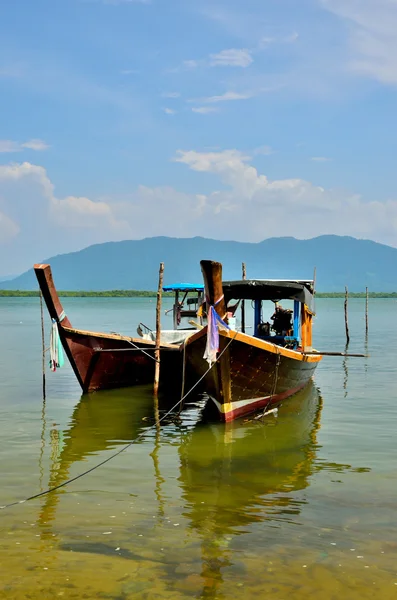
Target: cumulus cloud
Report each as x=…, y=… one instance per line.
x=254, y=207
x=244, y=204
x=169, y=111
x=35, y=223
x=232, y=58
x=8, y=146
x=72, y=211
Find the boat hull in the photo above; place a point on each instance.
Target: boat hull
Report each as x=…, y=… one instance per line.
x=102, y=361
x=250, y=374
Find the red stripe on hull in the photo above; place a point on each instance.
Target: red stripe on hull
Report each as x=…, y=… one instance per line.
x=258, y=404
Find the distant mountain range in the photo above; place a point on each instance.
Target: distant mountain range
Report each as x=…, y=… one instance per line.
x=134, y=264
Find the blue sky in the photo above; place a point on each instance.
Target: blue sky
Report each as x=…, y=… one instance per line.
x=232, y=119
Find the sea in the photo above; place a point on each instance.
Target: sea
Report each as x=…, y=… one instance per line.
x=298, y=505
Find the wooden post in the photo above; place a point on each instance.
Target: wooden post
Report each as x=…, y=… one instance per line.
x=366, y=311
x=243, y=302
x=42, y=342
x=158, y=332
x=346, y=319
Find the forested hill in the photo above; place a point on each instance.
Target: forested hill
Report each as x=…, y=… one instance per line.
x=134, y=264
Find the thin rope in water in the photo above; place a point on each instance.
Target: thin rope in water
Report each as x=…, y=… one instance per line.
x=106, y=460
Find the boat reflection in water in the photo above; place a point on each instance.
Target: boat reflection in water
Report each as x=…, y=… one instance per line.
x=244, y=477
x=244, y=473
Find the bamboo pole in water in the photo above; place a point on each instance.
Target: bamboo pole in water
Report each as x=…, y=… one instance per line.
x=42, y=342
x=366, y=311
x=243, y=302
x=158, y=332
x=346, y=318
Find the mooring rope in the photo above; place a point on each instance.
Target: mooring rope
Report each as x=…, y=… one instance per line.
x=124, y=448
x=141, y=349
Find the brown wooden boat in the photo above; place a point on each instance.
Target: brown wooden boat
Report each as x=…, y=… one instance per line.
x=256, y=371
x=106, y=360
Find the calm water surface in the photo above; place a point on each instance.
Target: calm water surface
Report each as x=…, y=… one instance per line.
x=296, y=506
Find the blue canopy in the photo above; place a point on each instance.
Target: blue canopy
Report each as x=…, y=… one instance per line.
x=184, y=287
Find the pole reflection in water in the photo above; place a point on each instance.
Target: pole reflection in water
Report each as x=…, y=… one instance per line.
x=345, y=371
x=101, y=421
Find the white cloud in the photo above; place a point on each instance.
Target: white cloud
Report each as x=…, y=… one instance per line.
x=320, y=159
x=255, y=207
x=372, y=26
x=36, y=223
x=190, y=64
x=72, y=207
x=203, y=110
x=35, y=144
x=245, y=205
x=169, y=111
x=7, y=146
x=228, y=97
x=232, y=58
x=8, y=229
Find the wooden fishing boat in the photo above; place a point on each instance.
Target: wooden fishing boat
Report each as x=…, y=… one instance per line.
x=107, y=360
x=252, y=372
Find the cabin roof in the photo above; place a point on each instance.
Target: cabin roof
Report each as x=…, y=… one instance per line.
x=184, y=287
x=270, y=289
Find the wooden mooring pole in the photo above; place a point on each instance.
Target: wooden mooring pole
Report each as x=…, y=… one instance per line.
x=366, y=311
x=346, y=318
x=42, y=342
x=158, y=332
x=243, y=302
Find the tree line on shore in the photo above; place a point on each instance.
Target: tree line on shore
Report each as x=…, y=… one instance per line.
x=150, y=294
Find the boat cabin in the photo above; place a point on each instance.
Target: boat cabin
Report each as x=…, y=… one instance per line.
x=188, y=298
x=290, y=328
x=187, y=314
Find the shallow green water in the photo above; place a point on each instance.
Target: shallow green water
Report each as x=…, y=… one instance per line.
x=299, y=505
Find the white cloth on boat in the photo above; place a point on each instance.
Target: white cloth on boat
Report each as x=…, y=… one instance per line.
x=170, y=336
